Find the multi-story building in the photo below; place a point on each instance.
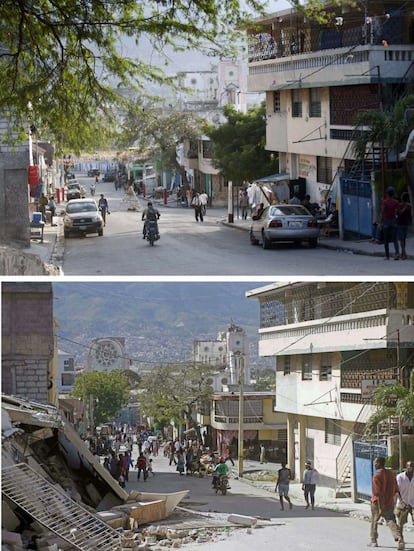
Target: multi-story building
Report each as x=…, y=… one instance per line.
x=317, y=77
x=229, y=353
x=27, y=367
x=224, y=84
x=333, y=342
x=67, y=372
x=224, y=353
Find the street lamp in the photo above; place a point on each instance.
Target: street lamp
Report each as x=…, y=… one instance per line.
x=239, y=356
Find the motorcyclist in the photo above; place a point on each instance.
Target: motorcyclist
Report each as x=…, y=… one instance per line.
x=221, y=469
x=150, y=214
x=92, y=189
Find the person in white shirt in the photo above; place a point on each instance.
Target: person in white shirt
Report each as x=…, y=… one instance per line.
x=405, y=501
x=309, y=479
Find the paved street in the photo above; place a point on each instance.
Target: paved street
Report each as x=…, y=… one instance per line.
x=334, y=523
x=202, y=249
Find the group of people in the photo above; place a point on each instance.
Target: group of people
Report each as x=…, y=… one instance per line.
x=392, y=496
x=392, y=499
x=49, y=203
x=394, y=222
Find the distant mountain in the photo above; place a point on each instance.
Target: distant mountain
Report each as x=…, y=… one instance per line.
x=160, y=320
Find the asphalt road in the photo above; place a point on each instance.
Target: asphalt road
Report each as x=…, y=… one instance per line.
x=188, y=248
x=295, y=530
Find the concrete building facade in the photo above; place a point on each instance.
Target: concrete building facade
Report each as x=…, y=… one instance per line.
x=312, y=74
x=333, y=342
x=27, y=340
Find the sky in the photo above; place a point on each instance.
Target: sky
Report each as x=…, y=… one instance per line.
x=181, y=61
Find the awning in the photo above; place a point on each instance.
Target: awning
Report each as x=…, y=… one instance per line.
x=273, y=178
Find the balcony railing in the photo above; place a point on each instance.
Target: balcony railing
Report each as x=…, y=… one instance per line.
x=235, y=420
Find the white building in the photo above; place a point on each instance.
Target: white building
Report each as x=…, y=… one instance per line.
x=317, y=77
x=67, y=372
x=226, y=354
x=332, y=343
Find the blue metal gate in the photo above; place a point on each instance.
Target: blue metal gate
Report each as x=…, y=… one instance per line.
x=364, y=455
x=356, y=207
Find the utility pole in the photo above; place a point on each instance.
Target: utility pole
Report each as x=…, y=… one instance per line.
x=400, y=424
x=240, y=359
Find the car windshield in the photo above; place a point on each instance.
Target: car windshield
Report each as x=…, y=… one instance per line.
x=81, y=207
x=288, y=210
x=73, y=186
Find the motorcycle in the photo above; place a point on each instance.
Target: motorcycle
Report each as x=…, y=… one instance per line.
x=221, y=484
x=152, y=233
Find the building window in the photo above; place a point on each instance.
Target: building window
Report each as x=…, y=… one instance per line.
x=324, y=168
x=307, y=367
x=68, y=379
x=296, y=103
x=332, y=432
x=314, y=102
x=276, y=102
x=325, y=371
x=286, y=366
x=207, y=150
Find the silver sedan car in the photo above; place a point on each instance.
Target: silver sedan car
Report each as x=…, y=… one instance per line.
x=284, y=223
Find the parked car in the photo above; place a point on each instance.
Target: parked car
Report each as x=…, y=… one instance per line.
x=284, y=223
x=94, y=172
x=109, y=176
x=82, y=216
x=74, y=190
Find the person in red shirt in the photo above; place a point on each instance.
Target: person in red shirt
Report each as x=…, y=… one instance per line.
x=384, y=491
x=389, y=212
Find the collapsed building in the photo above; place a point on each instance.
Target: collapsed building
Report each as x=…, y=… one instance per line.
x=55, y=492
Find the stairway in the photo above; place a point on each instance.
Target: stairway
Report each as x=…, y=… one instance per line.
x=54, y=510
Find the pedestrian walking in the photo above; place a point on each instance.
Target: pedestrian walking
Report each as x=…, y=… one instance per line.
x=142, y=467
x=229, y=456
x=309, y=479
x=384, y=491
x=244, y=204
x=404, y=221
x=204, y=202
x=180, y=462
x=52, y=208
x=389, y=213
x=103, y=207
x=196, y=204
x=262, y=453
x=282, y=484
x=405, y=501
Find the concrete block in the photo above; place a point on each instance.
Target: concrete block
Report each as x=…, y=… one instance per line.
x=243, y=520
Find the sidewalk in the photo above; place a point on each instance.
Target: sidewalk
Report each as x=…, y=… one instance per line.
x=51, y=251
x=324, y=497
x=356, y=246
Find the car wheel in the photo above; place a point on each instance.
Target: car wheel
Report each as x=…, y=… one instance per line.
x=313, y=243
x=100, y=233
x=266, y=243
x=253, y=240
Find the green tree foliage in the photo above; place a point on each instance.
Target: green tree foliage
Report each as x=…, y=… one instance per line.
x=108, y=390
x=172, y=391
x=239, y=145
x=265, y=380
x=393, y=401
x=155, y=131
x=389, y=129
x=60, y=61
